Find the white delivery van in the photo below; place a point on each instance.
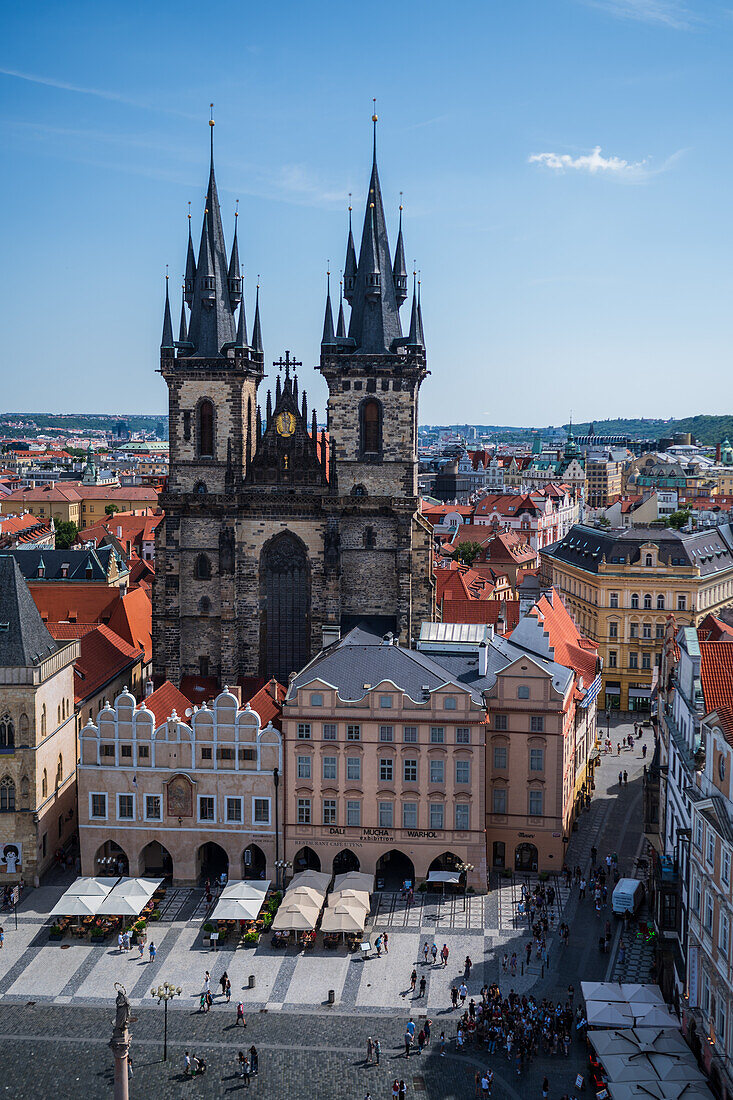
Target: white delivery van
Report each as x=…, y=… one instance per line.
x=628, y=894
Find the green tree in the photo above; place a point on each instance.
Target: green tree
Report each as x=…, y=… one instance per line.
x=678, y=519
x=110, y=509
x=604, y=521
x=467, y=552
x=66, y=532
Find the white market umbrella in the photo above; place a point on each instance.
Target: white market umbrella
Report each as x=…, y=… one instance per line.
x=295, y=918
x=121, y=906
x=246, y=889
x=653, y=1016
x=608, y=1014
x=136, y=887
x=70, y=906
x=354, y=880
x=319, y=880
x=90, y=887
x=342, y=918
x=635, y=1040
x=237, y=909
x=637, y=994
x=353, y=898
x=602, y=991
x=304, y=895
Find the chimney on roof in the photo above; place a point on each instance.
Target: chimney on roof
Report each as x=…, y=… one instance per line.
x=149, y=688
x=237, y=693
x=483, y=658
x=272, y=688
x=330, y=633
x=119, y=532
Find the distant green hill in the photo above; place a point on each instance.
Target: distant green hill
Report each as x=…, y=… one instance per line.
x=707, y=429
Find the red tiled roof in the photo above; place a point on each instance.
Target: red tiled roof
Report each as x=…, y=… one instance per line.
x=459, y=582
x=716, y=673
x=58, y=491
x=103, y=656
x=164, y=700
x=482, y=611
x=572, y=649
x=132, y=619
x=268, y=708
x=85, y=603
x=65, y=631
x=200, y=688
x=713, y=629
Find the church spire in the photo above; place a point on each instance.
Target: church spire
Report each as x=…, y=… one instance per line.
x=374, y=325
x=341, y=325
x=167, y=338
x=256, y=330
x=413, y=340
x=242, y=327
x=399, y=271
x=328, y=337
x=419, y=316
x=212, y=313
x=234, y=278
x=190, y=276
x=350, y=266
x=182, y=331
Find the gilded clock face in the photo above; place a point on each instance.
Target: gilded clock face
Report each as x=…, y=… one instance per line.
x=285, y=424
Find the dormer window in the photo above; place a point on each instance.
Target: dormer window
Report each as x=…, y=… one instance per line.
x=41, y=573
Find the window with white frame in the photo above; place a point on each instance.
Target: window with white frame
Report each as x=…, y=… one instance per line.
x=386, y=733
x=304, y=731
x=710, y=854
x=304, y=811
x=409, y=815
x=708, y=912
x=462, y=816
x=126, y=807
x=537, y=723
x=304, y=767
x=437, y=815
x=725, y=868
x=498, y=800
x=386, y=815
x=463, y=735
x=386, y=769
x=500, y=722
x=536, y=803
x=353, y=767
x=153, y=807
x=330, y=767
x=536, y=760
x=698, y=831
x=329, y=731
x=329, y=811
x=235, y=811
x=409, y=771
x=437, y=771
x=353, y=732
x=261, y=811
x=437, y=735
x=463, y=771
x=207, y=807
x=409, y=734
x=500, y=757
x=97, y=805
x=353, y=812
x=720, y=1023
x=724, y=933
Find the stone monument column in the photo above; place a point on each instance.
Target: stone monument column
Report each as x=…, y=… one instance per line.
x=120, y=1043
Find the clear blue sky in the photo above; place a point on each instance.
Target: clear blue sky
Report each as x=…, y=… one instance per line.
x=554, y=277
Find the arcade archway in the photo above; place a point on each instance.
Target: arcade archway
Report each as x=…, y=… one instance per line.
x=254, y=862
x=394, y=869
x=305, y=859
x=211, y=861
x=155, y=860
x=525, y=857
x=111, y=859
x=345, y=861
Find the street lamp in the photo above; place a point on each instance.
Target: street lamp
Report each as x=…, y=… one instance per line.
x=464, y=868
x=166, y=992
x=281, y=865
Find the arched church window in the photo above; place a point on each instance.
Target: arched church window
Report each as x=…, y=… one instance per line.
x=24, y=792
x=370, y=539
x=7, y=794
x=206, y=428
x=371, y=427
x=60, y=770
x=7, y=732
x=44, y=784
x=200, y=487
x=202, y=568
x=24, y=729
x=285, y=601
x=43, y=721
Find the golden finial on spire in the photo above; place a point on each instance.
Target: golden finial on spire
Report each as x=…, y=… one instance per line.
x=211, y=118
x=400, y=200
x=236, y=209
x=189, y=210
x=375, y=116
x=350, y=207
x=166, y=272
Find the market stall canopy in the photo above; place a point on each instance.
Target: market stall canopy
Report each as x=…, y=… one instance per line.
x=237, y=909
x=642, y=994
x=293, y=917
x=90, y=887
x=646, y=1067
x=128, y=897
x=350, y=897
x=319, y=880
x=451, y=878
x=658, y=1090
x=354, y=880
x=602, y=991
x=136, y=887
x=305, y=895
x=608, y=1014
x=664, y=1040
x=75, y=906
x=653, y=1016
x=343, y=918
x=246, y=889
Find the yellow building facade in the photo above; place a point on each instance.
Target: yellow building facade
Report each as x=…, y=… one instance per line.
x=621, y=584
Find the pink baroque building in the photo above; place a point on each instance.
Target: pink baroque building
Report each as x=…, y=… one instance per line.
x=189, y=796
x=385, y=759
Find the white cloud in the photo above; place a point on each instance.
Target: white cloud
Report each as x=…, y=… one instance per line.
x=668, y=13
x=594, y=163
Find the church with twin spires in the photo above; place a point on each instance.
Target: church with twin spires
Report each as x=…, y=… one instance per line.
x=280, y=535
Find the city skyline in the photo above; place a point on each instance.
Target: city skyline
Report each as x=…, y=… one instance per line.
x=562, y=230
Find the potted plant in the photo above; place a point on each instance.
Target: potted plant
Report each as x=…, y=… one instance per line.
x=55, y=933
x=207, y=930
x=155, y=915
x=251, y=939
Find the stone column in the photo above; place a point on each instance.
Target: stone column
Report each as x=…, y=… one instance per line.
x=120, y=1044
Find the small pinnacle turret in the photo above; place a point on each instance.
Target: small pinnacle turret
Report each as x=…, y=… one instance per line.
x=350, y=265
x=399, y=271
x=328, y=339
x=341, y=325
x=167, y=338
x=234, y=278
x=182, y=330
x=256, y=330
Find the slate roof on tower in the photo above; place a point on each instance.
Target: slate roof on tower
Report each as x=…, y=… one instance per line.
x=24, y=638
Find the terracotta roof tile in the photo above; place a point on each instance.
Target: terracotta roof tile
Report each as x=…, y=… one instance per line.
x=103, y=656
x=269, y=708
x=132, y=619
x=716, y=673
x=164, y=700
x=572, y=648
x=482, y=611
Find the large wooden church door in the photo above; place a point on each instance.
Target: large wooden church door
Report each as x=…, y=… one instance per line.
x=285, y=603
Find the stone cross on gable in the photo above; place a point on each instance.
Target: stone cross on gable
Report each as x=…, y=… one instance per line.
x=287, y=362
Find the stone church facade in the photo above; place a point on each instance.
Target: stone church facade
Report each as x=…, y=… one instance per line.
x=278, y=536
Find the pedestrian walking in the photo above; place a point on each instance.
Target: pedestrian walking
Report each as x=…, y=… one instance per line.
x=130, y=1070
x=545, y=1089
x=423, y=983
x=426, y=952
x=420, y=1041
x=505, y=962
x=223, y=982
x=187, y=1064
x=403, y=1090
x=246, y=1070
x=618, y=749
x=240, y=1063
x=396, y=1089
x=454, y=996
x=228, y=991
x=207, y=981
x=369, y=1050
x=643, y=751
x=444, y=952
x=467, y=969
x=442, y=1044
x=120, y=943
x=408, y=1043
x=413, y=980
x=152, y=951
x=385, y=941
x=626, y=778
x=426, y=1029
x=620, y=778
x=140, y=944
x=378, y=945
x=240, y=1014
x=254, y=1061
x=377, y=1051
x=528, y=952
x=434, y=953
x=462, y=993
